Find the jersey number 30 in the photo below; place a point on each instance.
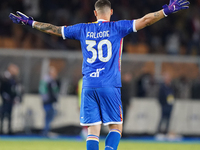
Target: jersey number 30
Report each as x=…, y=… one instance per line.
x=99, y=52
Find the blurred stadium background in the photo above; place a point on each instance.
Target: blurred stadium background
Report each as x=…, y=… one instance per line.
x=171, y=45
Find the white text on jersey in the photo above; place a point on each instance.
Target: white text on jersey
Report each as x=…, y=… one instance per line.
x=96, y=74
x=98, y=35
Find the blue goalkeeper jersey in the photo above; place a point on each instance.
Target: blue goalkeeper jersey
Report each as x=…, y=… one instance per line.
x=101, y=44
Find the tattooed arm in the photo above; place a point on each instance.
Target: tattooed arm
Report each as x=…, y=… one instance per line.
x=48, y=28
x=148, y=19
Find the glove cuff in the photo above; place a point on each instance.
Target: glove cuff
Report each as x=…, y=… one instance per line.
x=30, y=21
x=164, y=13
x=166, y=10
x=33, y=24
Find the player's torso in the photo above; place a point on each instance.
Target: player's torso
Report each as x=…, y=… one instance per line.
x=102, y=49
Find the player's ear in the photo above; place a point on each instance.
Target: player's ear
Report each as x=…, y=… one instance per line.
x=95, y=13
x=111, y=12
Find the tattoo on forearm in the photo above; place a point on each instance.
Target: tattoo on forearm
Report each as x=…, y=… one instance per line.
x=151, y=18
x=156, y=14
x=48, y=28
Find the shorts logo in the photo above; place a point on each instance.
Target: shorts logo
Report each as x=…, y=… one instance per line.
x=96, y=74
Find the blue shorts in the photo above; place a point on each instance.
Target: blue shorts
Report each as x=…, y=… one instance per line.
x=101, y=105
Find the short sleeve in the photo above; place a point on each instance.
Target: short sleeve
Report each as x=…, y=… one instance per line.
x=126, y=26
x=72, y=32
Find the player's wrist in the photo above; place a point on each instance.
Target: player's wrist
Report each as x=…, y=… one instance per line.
x=33, y=24
x=164, y=13
x=30, y=22
x=166, y=10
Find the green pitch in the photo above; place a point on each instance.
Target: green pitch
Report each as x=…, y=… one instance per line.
x=75, y=145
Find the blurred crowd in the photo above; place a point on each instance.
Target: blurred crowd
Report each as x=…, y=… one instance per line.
x=147, y=85
x=178, y=34
x=166, y=90
x=11, y=93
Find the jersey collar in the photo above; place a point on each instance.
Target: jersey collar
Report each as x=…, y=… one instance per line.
x=102, y=20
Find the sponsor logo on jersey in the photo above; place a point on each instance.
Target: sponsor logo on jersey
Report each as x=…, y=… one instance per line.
x=96, y=74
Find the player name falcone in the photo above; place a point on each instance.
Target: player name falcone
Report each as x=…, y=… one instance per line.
x=98, y=35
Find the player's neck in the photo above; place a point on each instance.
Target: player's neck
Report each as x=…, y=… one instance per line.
x=103, y=18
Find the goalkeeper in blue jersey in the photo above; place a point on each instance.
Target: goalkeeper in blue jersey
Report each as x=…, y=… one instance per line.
x=101, y=43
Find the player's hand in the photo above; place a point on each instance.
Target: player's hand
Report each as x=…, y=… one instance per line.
x=21, y=18
x=175, y=5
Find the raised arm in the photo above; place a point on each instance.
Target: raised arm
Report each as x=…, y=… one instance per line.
x=47, y=28
x=148, y=20
x=151, y=18
x=22, y=19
